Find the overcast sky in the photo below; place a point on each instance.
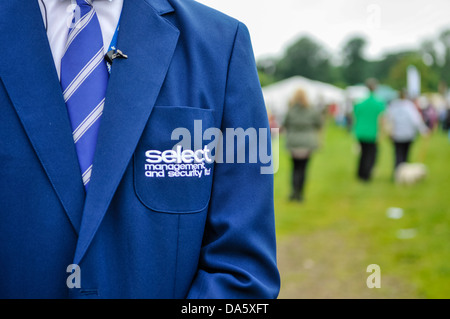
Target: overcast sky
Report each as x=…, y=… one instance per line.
x=387, y=24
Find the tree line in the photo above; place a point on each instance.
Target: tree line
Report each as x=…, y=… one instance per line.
x=308, y=58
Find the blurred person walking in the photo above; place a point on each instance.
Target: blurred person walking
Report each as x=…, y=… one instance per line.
x=366, y=126
x=405, y=122
x=302, y=124
x=430, y=116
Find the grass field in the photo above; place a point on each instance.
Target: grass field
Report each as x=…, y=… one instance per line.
x=326, y=243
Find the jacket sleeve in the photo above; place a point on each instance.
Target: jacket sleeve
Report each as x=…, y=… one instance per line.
x=238, y=256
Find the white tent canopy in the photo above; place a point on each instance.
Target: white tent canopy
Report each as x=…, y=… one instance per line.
x=278, y=95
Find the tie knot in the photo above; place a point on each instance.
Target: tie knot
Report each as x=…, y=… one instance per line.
x=84, y=2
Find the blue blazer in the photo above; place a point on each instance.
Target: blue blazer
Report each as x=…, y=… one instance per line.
x=131, y=235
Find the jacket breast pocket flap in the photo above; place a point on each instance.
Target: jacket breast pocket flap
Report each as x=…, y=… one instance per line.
x=173, y=166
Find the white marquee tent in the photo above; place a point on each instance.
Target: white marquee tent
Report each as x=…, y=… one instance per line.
x=278, y=95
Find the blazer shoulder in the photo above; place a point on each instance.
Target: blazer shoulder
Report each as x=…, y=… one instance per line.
x=204, y=20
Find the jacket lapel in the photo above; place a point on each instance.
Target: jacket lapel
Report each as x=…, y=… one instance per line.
x=149, y=41
x=29, y=75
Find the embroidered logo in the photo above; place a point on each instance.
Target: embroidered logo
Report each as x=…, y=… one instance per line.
x=178, y=163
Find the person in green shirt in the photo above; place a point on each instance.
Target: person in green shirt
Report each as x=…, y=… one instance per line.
x=366, y=126
x=302, y=124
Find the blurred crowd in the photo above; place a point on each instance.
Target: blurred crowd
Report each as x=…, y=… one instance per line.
x=403, y=118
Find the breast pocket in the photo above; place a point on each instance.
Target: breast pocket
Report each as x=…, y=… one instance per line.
x=173, y=166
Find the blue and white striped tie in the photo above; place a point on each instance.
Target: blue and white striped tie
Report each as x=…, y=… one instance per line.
x=84, y=78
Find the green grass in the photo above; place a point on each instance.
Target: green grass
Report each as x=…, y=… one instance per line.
x=342, y=226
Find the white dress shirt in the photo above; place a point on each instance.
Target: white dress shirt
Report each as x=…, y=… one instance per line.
x=57, y=15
